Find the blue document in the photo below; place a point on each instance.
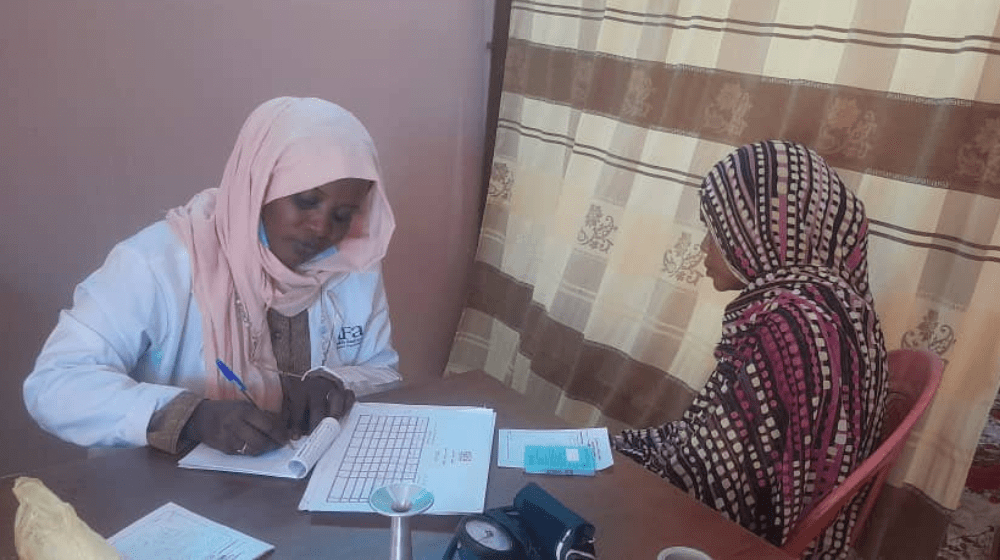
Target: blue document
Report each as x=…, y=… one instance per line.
x=558, y=459
x=510, y=452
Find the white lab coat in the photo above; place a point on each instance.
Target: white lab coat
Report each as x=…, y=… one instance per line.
x=133, y=341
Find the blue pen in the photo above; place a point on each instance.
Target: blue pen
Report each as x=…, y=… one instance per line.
x=236, y=380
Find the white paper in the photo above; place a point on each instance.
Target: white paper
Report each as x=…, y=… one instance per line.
x=294, y=460
x=510, y=452
x=453, y=458
x=171, y=532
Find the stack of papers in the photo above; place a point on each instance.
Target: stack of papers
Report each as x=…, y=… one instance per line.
x=445, y=449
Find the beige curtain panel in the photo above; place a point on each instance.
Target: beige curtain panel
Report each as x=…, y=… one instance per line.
x=589, y=292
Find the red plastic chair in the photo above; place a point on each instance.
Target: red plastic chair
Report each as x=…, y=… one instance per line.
x=914, y=376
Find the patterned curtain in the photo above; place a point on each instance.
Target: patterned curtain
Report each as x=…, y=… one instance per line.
x=589, y=293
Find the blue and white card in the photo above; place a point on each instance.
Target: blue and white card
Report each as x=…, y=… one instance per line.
x=559, y=459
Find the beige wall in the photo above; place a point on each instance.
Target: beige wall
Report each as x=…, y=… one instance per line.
x=112, y=112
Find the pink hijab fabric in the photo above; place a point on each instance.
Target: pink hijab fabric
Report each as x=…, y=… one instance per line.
x=287, y=145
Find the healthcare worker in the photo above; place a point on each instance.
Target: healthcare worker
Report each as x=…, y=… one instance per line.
x=274, y=273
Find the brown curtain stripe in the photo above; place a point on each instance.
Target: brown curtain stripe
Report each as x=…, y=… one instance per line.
x=714, y=105
x=906, y=522
x=949, y=238
x=640, y=395
x=757, y=29
x=877, y=230
x=649, y=170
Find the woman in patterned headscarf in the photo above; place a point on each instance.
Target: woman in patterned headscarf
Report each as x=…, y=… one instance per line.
x=798, y=393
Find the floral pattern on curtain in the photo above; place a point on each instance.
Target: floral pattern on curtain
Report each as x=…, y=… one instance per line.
x=588, y=289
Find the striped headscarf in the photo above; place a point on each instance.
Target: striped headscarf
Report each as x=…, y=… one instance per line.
x=777, y=206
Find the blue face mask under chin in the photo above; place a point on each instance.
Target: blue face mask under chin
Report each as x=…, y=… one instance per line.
x=262, y=235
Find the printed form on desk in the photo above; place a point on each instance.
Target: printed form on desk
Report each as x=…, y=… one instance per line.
x=171, y=532
x=510, y=452
x=445, y=449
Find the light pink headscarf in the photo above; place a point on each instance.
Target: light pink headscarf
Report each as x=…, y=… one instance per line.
x=287, y=145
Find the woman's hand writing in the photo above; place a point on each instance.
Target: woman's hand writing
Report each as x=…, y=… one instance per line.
x=235, y=427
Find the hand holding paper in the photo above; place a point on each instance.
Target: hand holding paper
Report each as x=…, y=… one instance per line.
x=294, y=460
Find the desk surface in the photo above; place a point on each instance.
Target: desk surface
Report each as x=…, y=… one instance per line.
x=635, y=512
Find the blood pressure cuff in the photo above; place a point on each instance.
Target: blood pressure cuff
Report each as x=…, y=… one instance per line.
x=545, y=528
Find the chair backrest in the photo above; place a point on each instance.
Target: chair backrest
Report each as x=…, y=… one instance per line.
x=914, y=376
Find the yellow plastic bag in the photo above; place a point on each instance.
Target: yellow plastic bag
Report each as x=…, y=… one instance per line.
x=47, y=528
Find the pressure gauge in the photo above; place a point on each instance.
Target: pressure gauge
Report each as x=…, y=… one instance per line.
x=479, y=537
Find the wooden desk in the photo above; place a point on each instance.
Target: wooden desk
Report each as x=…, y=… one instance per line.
x=635, y=512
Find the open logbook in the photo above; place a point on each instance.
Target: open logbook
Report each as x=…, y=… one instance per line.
x=445, y=449
x=294, y=460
